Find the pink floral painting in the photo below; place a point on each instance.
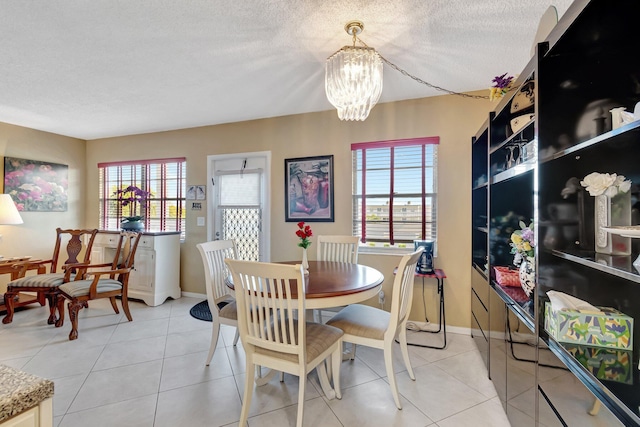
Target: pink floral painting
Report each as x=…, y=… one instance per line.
x=36, y=186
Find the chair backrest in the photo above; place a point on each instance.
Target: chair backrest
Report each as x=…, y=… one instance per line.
x=75, y=245
x=125, y=254
x=215, y=271
x=402, y=294
x=267, y=314
x=338, y=248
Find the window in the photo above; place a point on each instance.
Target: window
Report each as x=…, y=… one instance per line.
x=163, y=178
x=394, y=192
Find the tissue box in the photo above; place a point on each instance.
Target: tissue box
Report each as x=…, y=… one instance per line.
x=611, y=328
x=604, y=363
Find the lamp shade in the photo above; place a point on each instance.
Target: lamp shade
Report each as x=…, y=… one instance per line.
x=8, y=212
x=353, y=81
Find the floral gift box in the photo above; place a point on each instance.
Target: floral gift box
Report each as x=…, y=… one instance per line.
x=610, y=328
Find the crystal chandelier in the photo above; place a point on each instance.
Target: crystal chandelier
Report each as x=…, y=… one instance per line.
x=353, y=78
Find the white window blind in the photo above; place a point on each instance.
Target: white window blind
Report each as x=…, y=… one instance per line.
x=395, y=191
x=165, y=179
x=240, y=189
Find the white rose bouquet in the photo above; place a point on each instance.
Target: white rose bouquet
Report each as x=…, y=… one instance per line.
x=610, y=185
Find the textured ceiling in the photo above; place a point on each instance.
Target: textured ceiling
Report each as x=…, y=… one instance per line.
x=99, y=68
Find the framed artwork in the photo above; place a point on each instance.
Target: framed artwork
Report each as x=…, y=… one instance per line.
x=308, y=188
x=36, y=186
x=196, y=192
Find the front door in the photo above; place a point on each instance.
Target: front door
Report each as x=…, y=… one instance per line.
x=240, y=205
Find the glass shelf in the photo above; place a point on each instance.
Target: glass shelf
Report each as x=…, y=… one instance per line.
x=484, y=273
x=512, y=137
x=518, y=303
x=479, y=186
x=623, y=268
x=513, y=172
x=573, y=150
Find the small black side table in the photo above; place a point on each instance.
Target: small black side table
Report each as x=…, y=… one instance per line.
x=439, y=275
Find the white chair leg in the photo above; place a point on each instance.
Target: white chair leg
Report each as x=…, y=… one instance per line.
x=235, y=339
x=215, y=332
x=302, y=381
x=248, y=392
x=388, y=363
x=335, y=360
x=402, y=337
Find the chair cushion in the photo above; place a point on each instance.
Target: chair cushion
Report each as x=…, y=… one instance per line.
x=362, y=320
x=319, y=338
x=81, y=287
x=229, y=311
x=49, y=280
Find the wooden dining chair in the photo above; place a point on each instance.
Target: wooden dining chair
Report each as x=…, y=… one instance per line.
x=72, y=242
x=94, y=281
x=269, y=296
x=339, y=249
x=222, y=304
x=373, y=327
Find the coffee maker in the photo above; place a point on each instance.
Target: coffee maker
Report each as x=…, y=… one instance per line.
x=425, y=263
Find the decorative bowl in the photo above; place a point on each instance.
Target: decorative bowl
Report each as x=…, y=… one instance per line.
x=517, y=123
x=525, y=97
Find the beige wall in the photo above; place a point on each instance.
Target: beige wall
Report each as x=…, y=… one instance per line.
x=36, y=237
x=454, y=119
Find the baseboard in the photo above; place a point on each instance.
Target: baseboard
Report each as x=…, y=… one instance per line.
x=193, y=295
x=424, y=326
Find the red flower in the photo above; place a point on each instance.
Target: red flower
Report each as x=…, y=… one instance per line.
x=304, y=232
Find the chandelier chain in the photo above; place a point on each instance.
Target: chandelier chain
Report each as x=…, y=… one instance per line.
x=419, y=80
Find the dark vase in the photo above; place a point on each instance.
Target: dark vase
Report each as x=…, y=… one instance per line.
x=132, y=226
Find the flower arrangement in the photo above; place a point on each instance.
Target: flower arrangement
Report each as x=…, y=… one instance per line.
x=304, y=232
x=36, y=186
x=501, y=85
x=610, y=185
x=129, y=198
x=523, y=243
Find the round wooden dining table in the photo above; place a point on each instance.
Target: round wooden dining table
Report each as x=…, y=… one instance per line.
x=334, y=284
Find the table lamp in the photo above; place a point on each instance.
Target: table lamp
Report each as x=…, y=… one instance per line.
x=9, y=214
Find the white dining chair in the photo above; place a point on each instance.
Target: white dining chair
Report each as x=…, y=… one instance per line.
x=339, y=249
x=274, y=336
x=373, y=327
x=221, y=302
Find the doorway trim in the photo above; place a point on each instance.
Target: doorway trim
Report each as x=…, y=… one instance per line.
x=266, y=194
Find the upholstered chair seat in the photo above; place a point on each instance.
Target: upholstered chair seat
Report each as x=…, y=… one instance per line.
x=81, y=287
x=46, y=284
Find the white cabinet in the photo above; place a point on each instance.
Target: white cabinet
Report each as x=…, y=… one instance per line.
x=156, y=274
x=38, y=416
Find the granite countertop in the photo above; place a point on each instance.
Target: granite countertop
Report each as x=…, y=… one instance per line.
x=20, y=391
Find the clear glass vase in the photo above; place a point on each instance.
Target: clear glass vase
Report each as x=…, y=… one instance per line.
x=612, y=211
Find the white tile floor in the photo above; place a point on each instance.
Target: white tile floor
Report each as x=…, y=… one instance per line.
x=151, y=372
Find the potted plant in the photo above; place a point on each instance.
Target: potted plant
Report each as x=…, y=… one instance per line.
x=129, y=199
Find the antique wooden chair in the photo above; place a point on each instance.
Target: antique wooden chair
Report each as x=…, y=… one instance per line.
x=274, y=336
x=373, y=327
x=46, y=285
x=222, y=304
x=108, y=281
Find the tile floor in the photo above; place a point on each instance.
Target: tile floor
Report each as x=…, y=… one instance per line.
x=151, y=372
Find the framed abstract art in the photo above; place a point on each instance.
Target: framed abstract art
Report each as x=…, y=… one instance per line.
x=309, y=189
